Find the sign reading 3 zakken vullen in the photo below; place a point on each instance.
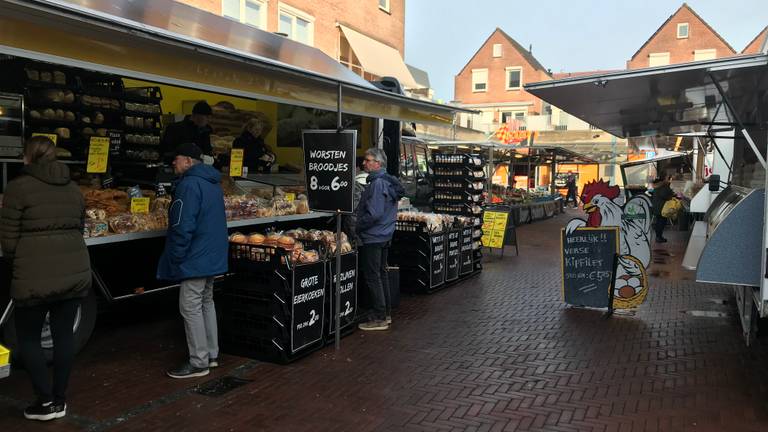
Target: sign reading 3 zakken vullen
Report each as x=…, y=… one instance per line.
x=329, y=167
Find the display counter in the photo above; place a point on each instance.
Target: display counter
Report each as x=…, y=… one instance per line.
x=532, y=211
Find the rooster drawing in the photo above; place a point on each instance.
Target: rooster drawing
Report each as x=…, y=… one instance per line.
x=634, y=221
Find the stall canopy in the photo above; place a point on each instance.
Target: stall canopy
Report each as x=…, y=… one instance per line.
x=172, y=43
x=378, y=58
x=664, y=100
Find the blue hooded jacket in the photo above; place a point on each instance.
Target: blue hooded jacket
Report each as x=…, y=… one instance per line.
x=377, y=209
x=196, y=243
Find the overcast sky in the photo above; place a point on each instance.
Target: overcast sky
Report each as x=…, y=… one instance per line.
x=577, y=35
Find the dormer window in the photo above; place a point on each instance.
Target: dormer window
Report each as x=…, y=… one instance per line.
x=682, y=31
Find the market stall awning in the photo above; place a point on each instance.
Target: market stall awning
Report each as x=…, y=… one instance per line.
x=172, y=43
x=666, y=156
x=537, y=154
x=378, y=58
x=663, y=100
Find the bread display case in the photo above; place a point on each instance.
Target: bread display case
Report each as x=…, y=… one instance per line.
x=11, y=125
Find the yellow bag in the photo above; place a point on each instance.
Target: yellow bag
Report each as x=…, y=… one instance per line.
x=671, y=208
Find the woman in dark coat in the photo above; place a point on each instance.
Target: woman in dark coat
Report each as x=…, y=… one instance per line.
x=661, y=193
x=41, y=234
x=257, y=155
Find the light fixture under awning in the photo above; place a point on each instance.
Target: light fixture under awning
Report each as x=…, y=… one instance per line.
x=377, y=58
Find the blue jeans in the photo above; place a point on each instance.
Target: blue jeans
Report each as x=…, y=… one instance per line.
x=373, y=265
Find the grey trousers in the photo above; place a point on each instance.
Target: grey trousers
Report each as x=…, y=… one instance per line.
x=199, y=313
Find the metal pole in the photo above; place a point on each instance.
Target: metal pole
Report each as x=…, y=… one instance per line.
x=337, y=300
x=338, y=109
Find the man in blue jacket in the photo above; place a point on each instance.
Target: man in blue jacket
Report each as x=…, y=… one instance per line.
x=376, y=217
x=195, y=252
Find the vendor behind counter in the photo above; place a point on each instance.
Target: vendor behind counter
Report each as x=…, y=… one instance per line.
x=193, y=129
x=257, y=155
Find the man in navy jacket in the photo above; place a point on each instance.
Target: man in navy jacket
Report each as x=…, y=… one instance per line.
x=195, y=252
x=376, y=216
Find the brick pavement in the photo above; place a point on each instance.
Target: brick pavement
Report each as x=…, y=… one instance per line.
x=499, y=352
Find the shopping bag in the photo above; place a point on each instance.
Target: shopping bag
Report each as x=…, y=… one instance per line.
x=671, y=208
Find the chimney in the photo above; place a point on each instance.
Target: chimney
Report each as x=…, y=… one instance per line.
x=530, y=49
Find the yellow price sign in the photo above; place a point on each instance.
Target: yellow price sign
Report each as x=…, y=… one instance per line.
x=98, y=155
x=494, y=228
x=236, y=163
x=52, y=137
x=290, y=196
x=139, y=205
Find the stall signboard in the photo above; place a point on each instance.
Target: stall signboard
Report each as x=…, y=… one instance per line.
x=140, y=205
x=52, y=137
x=466, y=265
x=588, y=260
x=453, y=255
x=494, y=228
x=98, y=155
x=329, y=167
x=290, y=196
x=437, y=246
x=348, y=291
x=307, y=307
x=236, y=163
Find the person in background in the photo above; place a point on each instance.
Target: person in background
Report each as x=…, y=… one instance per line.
x=376, y=217
x=257, y=155
x=349, y=222
x=661, y=193
x=195, y=252
x=573, y=189
x=193, y=129
x=41, y=233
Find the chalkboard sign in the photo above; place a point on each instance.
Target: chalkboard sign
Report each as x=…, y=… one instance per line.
x=588, y=265
x=466, y=266
x=329, y=169
x=437, y=246
x=308, y=304
x=348, y=291
x=453, y=256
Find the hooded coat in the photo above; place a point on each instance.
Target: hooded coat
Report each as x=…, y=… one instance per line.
x=196, y=242
x=253, y=149
x=377, y=209
x=41, y=233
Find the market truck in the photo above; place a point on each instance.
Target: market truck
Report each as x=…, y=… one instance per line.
x=720, y=110
x=122, y=70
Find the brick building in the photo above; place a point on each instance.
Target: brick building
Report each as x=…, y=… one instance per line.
x=758, y=43
x=492, y=83
x=368, y=36
x=684, y=37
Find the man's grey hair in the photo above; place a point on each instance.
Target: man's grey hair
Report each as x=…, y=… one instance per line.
x=378, y=155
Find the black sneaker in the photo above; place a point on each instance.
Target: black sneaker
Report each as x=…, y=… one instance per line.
x=187, y=371
x=213, y=363
x=661, y=240
x=45, y=411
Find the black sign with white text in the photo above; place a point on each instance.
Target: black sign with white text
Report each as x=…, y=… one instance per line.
x=587, y=263
x=466, y=265
x=453, y=257
x=437, y=244
x=348, y=291
x=329, y=169
x=308, y=305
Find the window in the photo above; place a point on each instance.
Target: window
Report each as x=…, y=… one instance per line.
x=497, y=50
x=658, y=59
x=298, y=25
x=384, y=5
x=479, y=80
x=506, y=116
x=682, y=31
x=514, y=78
x=251, y=12
x=406, y=160
x=422, y=167
x=704, y=54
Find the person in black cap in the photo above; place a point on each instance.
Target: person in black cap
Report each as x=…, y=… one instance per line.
x=193, y=129
x=196, y=252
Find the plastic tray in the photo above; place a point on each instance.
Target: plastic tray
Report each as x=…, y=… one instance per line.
x=4, y=355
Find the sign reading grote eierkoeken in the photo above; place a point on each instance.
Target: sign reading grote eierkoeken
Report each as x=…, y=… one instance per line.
x=587, y=265
x=307, y=305
x=329, y=167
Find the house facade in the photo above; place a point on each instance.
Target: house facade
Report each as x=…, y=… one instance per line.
x=759, y=43
x=684, y=37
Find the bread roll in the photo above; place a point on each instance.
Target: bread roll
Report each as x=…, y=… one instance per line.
x=49, y=113
x=256, y=239
x=59, y=114
x=69, y=97
x=238, y=238
x=98, y=118
x=69, y=116
x=35, y=114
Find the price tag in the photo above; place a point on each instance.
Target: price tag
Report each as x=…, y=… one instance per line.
x=140, y=205
x=98, y=154
x=290, y=196
x=52, y=137
x=236, y=163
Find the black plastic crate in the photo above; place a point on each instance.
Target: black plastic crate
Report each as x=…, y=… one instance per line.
x=265, y=349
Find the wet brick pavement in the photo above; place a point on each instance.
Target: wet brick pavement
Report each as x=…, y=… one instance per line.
x=499, y=352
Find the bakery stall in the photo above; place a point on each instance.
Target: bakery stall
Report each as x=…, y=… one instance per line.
x=120, y=71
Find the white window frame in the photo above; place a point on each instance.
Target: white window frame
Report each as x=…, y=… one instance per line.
x=284, y=9
x=474, y=89
x=708, y=54
x=386, y=6
x=687, y=30
x=652, y=56
x=497, y=50
x=262, y=21
x=513, y=114
x=509, y=69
